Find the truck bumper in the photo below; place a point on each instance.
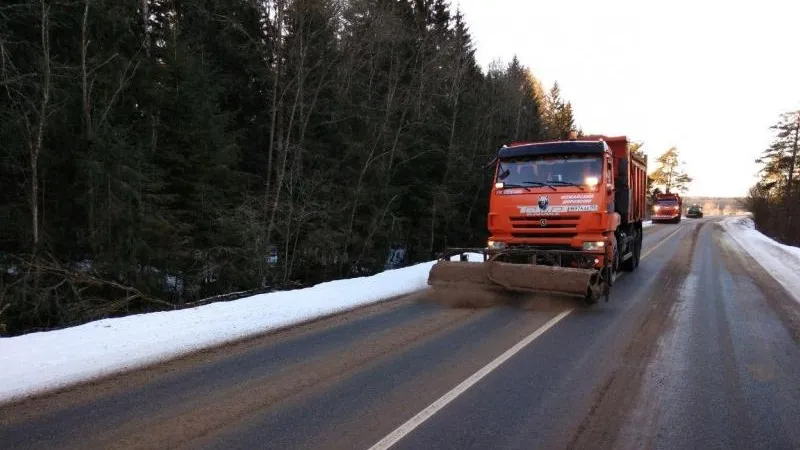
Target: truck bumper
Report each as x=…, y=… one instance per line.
x=665, y=217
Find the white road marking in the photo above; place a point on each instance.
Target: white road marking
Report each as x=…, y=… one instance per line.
x=654, y=248
x=434, y=407
x=660, y=243
x=412, y=423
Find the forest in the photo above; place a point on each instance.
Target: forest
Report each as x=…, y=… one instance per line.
x=775, y=199
x=159, y=152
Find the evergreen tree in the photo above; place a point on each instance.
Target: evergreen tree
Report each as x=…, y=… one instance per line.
x=669, y=174
x=774, y=200
x=157, y=152
x=558, y=117
x=780, y=160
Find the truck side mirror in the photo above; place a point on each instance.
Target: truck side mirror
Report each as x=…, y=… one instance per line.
x=609, y=188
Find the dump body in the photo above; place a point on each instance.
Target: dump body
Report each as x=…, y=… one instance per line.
x=667, y=207
x=564, y=216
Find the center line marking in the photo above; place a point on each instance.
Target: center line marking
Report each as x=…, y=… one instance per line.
x=660, y=243
x=412, y=423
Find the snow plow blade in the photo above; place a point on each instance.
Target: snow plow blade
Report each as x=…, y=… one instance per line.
x=511, y=277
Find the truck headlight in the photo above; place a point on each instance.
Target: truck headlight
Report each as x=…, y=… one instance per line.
x=495, y=245
x=594, y=246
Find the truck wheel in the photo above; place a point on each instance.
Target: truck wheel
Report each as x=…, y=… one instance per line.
x=590, y=298
x=611, y=272
x=631, y=264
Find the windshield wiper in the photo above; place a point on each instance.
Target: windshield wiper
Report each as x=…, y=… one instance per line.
x=539, y=183
x=513, y=186
x=568, y=183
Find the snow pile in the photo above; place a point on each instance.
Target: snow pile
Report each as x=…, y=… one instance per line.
x=647, y=223
x=43, y=361
x=781, y=261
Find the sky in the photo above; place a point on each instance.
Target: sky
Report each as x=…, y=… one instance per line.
x=708, y=77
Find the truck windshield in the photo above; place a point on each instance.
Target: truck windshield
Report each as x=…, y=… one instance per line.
x=668, y=202
x=556, y=170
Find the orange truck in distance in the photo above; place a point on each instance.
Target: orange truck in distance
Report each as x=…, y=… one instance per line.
x=667, y=208
x=564, y=218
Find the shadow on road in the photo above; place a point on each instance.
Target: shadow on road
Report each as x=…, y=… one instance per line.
x=477, y=299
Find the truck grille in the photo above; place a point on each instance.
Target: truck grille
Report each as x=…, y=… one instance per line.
x=559, y=227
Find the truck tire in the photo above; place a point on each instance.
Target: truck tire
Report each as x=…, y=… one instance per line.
x=631, y=264
x=613, y=271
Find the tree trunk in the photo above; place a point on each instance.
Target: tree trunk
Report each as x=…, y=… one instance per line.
x=36, y=145
x=791, y=206
x=87, y=117
x=274, y=107
x=298, y=99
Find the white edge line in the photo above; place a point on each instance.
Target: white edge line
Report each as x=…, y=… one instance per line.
x=412, y=423
x=393, y=437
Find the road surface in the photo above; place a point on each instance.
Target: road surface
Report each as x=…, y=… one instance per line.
x=697, y=349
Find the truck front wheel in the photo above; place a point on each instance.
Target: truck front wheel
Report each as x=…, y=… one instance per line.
x=629, y=265
x=611, y=272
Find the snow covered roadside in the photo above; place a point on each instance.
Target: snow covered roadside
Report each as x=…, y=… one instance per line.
x=781, y=261
x=38, y=362
x=647, y=224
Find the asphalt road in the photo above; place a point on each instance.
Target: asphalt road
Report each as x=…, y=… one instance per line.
x=699, y=348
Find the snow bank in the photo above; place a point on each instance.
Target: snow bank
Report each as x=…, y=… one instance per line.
x=781, y=261
x=647, y=223
x=43, y=361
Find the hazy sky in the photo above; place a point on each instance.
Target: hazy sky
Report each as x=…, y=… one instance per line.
x=707, y=76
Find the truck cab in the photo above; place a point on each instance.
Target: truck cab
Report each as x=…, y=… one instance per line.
x=667, y=208
x=575, y=196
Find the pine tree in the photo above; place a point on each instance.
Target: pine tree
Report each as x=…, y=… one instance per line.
x=559, y=120
x=774, y=200
x=780, y=160
x=636, y=149
x=669, y=174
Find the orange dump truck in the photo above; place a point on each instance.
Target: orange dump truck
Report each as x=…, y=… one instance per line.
x=667, y=208
x=564, y=218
